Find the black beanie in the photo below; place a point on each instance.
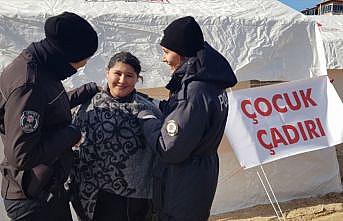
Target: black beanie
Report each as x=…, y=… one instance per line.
x=183, y=36
x=72, y=36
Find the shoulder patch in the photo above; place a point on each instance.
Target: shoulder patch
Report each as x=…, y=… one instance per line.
x=172, y=128
x=29, y=121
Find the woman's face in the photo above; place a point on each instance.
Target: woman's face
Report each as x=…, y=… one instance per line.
x=121, y=79
x=172, y=58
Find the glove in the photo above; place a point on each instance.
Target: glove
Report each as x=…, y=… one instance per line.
x=92, y=87
x=35, y=180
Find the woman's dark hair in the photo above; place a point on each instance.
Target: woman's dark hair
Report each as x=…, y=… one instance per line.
x=126, y=58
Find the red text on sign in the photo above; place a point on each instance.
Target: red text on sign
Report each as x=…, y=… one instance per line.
x=290, y=134
x=279, y=102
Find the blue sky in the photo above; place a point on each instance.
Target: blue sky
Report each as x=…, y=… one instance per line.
x=300, y=4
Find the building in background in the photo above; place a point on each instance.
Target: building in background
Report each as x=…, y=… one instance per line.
x=327, y=7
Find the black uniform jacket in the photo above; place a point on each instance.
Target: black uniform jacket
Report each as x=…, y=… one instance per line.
x=188, y=138
x=35, y=120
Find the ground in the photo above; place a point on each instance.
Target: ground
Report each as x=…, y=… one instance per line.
x=325, y=208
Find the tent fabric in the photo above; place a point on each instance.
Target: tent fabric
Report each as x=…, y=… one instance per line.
x=262, y=39
x=331, y=29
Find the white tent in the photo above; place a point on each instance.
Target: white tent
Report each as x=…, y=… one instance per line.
x=262, y=39
x=331, y=28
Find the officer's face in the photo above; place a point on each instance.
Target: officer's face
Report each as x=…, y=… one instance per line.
x=122, y=79
x=172, y=59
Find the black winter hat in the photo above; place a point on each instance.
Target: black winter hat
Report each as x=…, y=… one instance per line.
x=183, y=36
x=72, y=36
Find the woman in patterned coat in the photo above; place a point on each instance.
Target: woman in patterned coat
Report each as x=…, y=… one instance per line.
x=113, y=171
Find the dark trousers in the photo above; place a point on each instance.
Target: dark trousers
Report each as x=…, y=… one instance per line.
x=112, y=207
x=55, y=209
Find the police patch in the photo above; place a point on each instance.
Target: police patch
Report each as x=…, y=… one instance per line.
x=172, y=128
x=29, y=121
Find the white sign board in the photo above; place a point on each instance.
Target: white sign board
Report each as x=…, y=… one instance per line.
x=273, y=122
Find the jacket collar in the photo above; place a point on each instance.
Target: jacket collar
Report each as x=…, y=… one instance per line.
x=51, y=60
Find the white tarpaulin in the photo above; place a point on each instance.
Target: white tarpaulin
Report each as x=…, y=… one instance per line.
x=331, y=29
x=262, y=39
x=278, y=121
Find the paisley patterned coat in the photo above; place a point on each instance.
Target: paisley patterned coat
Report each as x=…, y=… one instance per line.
x=113, y=156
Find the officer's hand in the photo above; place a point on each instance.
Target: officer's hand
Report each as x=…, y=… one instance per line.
x=93, y=87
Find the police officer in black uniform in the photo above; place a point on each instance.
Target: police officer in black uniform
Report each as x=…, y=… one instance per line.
x=187, y=139
x=35, y=119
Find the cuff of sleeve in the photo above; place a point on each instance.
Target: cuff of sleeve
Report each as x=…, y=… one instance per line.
x=146, y=114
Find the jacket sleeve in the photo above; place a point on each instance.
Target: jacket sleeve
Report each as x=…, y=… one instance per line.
x=24, y=143
x=82, y=94
x=175, y=138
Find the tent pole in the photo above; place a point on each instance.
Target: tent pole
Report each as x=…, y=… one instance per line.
x=270, y=200
x=271, y=189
